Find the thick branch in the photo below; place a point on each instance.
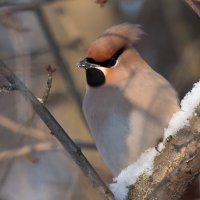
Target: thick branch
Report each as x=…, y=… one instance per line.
x=175, y=168
x=57, y=131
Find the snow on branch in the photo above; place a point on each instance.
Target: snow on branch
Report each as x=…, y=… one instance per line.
x=188, y=106
x=166, y=175
x=144, y=164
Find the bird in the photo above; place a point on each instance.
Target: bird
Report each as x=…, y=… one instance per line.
x=127, y=104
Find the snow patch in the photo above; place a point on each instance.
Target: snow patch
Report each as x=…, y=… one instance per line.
x=144, y=163
x=188, y=106
x=128, y=176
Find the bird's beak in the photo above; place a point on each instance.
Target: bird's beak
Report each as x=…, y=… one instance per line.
x=86, y=64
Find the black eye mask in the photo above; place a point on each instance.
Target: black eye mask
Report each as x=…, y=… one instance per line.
x=107, y=63
x=94, y=76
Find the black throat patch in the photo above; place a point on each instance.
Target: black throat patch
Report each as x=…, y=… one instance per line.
x=95, y=77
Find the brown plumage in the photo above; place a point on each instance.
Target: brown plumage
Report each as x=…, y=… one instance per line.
x=113, y=39
x=127, y=104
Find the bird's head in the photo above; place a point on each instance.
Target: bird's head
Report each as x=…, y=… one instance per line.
x=104, y=53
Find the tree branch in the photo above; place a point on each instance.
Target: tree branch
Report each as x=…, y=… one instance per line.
x=37, y=134
x=195, y=5
x=62, y=64
x=28, y=149
x=175, y=168
x=57, y=131
x=38, y=147
x=46, y=93
x=7, y=88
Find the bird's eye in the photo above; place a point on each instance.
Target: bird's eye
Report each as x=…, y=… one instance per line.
x=107, y=63
x=114, y=58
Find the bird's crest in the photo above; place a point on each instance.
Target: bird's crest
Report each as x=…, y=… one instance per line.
x=112, y=40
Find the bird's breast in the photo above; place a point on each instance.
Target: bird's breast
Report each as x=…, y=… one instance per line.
x=124, y=121
x=112, y=119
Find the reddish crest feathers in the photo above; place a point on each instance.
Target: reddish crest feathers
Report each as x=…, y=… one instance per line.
x=112, y=40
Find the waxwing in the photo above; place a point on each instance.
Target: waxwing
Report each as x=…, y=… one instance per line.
x=127, y=104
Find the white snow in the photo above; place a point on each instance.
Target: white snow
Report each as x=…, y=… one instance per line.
x=144, y=164
x=128, y=176
x=188, y=105
x=161, y=146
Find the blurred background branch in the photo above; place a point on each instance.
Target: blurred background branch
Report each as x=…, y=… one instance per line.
x=17, y=7
x=37, y=134
x=195, y=5
x=39, y=147
x=64, y=66
x=58, y=132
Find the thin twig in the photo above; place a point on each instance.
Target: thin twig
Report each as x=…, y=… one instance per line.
x=62, y=64
x=57, y=131
x=28, y=149
x=37, y=134
x=38, y=147
x=7, y=88
x=19, y=129
x=46, y=93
